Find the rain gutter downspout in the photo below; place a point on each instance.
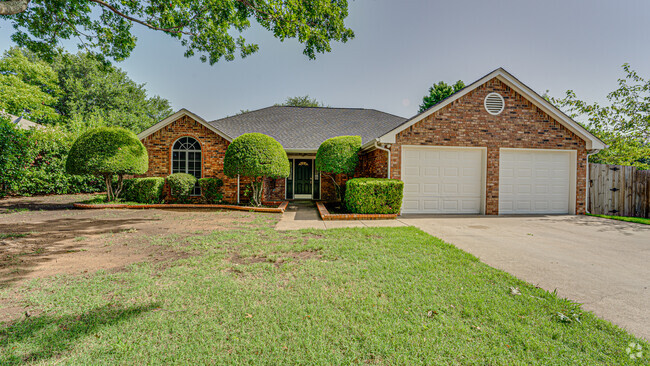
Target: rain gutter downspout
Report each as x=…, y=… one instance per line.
x=591, y=152
x=386, y=150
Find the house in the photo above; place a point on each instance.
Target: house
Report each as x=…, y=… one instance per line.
x=22, y=123
x=495, y=147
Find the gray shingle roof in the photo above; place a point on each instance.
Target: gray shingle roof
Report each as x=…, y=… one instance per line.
x=307, y=128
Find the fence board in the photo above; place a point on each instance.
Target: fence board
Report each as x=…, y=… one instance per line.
x=619, y=190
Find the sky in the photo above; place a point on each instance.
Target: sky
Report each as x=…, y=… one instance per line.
x=403, y=47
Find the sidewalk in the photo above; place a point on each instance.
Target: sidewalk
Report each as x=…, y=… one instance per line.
x=303, y=215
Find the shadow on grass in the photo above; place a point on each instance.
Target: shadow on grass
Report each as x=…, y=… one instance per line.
x=51, y=336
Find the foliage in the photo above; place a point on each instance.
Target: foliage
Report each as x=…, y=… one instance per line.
x=374, y=195
x=211, y=189
x=108, y=151
x=338, y=155
x=28, y=87
x=302, y=101
x=256, y=156
x=638, y=220
x=205, y=27
x=181, y=186
x=439, y=92
x=144, y=190
x=46, y=174
x=624, y=124
x=13, y=153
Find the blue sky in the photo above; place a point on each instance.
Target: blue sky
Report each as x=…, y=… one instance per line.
x=401, y=48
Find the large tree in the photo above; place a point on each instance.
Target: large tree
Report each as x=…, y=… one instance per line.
x=623, y=124
x=204, y=27
x=439, y=92
x=302, y=101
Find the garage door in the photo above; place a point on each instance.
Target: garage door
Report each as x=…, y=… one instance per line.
x=442, y=180
x=534, y=182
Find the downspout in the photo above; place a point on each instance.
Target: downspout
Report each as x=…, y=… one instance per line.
x=386, y=150
x=237, y=188
x=591, y=152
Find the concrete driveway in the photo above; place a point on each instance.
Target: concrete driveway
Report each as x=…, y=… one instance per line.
x=602, y=263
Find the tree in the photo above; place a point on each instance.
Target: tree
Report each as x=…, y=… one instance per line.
x=105, y=152
x=338, y=155
x=28, y=87
x=205, y=27
x=256, y=156
x=304, y=101
x=13, y=153
x=439, y=92
x=624, y=124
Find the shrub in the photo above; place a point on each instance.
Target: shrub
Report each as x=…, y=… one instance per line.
x=108, y=151
x=144, y=190
x=374, y=195
x=181, y=186
x=338, y=155
x=211, y=189
x=256, y=156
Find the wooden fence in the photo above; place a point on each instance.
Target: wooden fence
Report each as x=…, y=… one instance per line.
x=619, y=190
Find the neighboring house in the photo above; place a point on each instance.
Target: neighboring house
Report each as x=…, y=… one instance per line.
x=21, y=122
x=495, y=147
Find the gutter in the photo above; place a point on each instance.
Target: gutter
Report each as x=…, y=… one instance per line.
x=386, y=150
x=591, y=152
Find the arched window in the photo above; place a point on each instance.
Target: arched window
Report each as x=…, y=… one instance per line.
x=186, y=158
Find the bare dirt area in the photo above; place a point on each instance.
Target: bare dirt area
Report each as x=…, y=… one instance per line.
x=45, y=236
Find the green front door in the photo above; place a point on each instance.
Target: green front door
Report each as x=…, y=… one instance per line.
x=303, y=181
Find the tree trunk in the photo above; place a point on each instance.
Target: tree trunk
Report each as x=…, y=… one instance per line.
x=108, y=179
x=118, y=190
x=12, y=7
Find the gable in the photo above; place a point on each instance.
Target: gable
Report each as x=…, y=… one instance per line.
x=520, y=96
x=177, y=116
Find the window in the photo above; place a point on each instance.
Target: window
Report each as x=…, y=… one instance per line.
x=186, y=158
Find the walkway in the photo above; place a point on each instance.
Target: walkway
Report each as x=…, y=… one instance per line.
x=303, y=215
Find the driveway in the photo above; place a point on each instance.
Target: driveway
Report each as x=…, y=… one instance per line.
x=602, y=263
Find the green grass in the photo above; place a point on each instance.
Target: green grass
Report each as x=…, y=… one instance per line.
x=101, y=199
x=335, y=297
x=12, y=235
x=638, y=220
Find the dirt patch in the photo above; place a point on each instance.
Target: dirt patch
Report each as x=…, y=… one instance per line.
x=237, y=259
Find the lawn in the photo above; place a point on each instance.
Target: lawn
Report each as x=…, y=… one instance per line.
x=638, y=220
x=252, y=295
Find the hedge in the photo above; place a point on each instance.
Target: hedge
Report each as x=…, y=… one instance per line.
x=211, y=189
x=374, y=195
x=181, y=186
x=143, y=190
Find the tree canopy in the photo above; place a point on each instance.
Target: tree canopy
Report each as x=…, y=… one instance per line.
x=439, y=92
x=623, y=124
x=302, y=101
x=205, y=27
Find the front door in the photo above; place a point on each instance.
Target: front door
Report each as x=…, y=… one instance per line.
x=303, y=182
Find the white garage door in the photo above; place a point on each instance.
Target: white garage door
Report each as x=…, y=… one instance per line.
x=442, y=180
x=534, y=182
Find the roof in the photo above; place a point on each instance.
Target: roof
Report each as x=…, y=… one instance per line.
x=21, y=122
x=305, y=128
x=181, y=112
x=592, y=142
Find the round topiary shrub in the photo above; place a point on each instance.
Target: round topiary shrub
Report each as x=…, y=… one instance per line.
x=338, y=155
x=108, y=151
x=181, y=186
x=256, y=156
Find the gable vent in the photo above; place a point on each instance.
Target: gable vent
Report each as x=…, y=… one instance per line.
x=494, y=103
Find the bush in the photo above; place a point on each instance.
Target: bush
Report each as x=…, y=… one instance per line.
x=108, y=151
x=144, y=190
x=338, y=155
x=13, y=153
x=181, y=186
x=211, y=189
x=256, y=156
x=374, y=195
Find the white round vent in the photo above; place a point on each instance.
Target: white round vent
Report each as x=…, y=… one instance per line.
x=494, y=103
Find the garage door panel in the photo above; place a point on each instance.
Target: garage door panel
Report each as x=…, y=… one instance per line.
x=448, y=180
x=534, y=182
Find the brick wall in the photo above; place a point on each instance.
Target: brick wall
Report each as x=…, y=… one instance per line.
x=465, y=122
x=373, y=164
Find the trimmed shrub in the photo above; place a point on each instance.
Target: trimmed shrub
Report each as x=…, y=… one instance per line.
x=338, y=155
x=108, y=151
x=143, y=190
x=181, y=186
x=374, y=195
x=211, y=189
x=13, y=153
x=256, y=156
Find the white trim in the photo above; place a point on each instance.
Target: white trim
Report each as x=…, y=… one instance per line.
x=573, y=173
x=592, y=142
x=174, y=117
x=303, y=197
x=483, y=166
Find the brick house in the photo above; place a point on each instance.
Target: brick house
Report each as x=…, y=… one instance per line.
x=495, y=147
